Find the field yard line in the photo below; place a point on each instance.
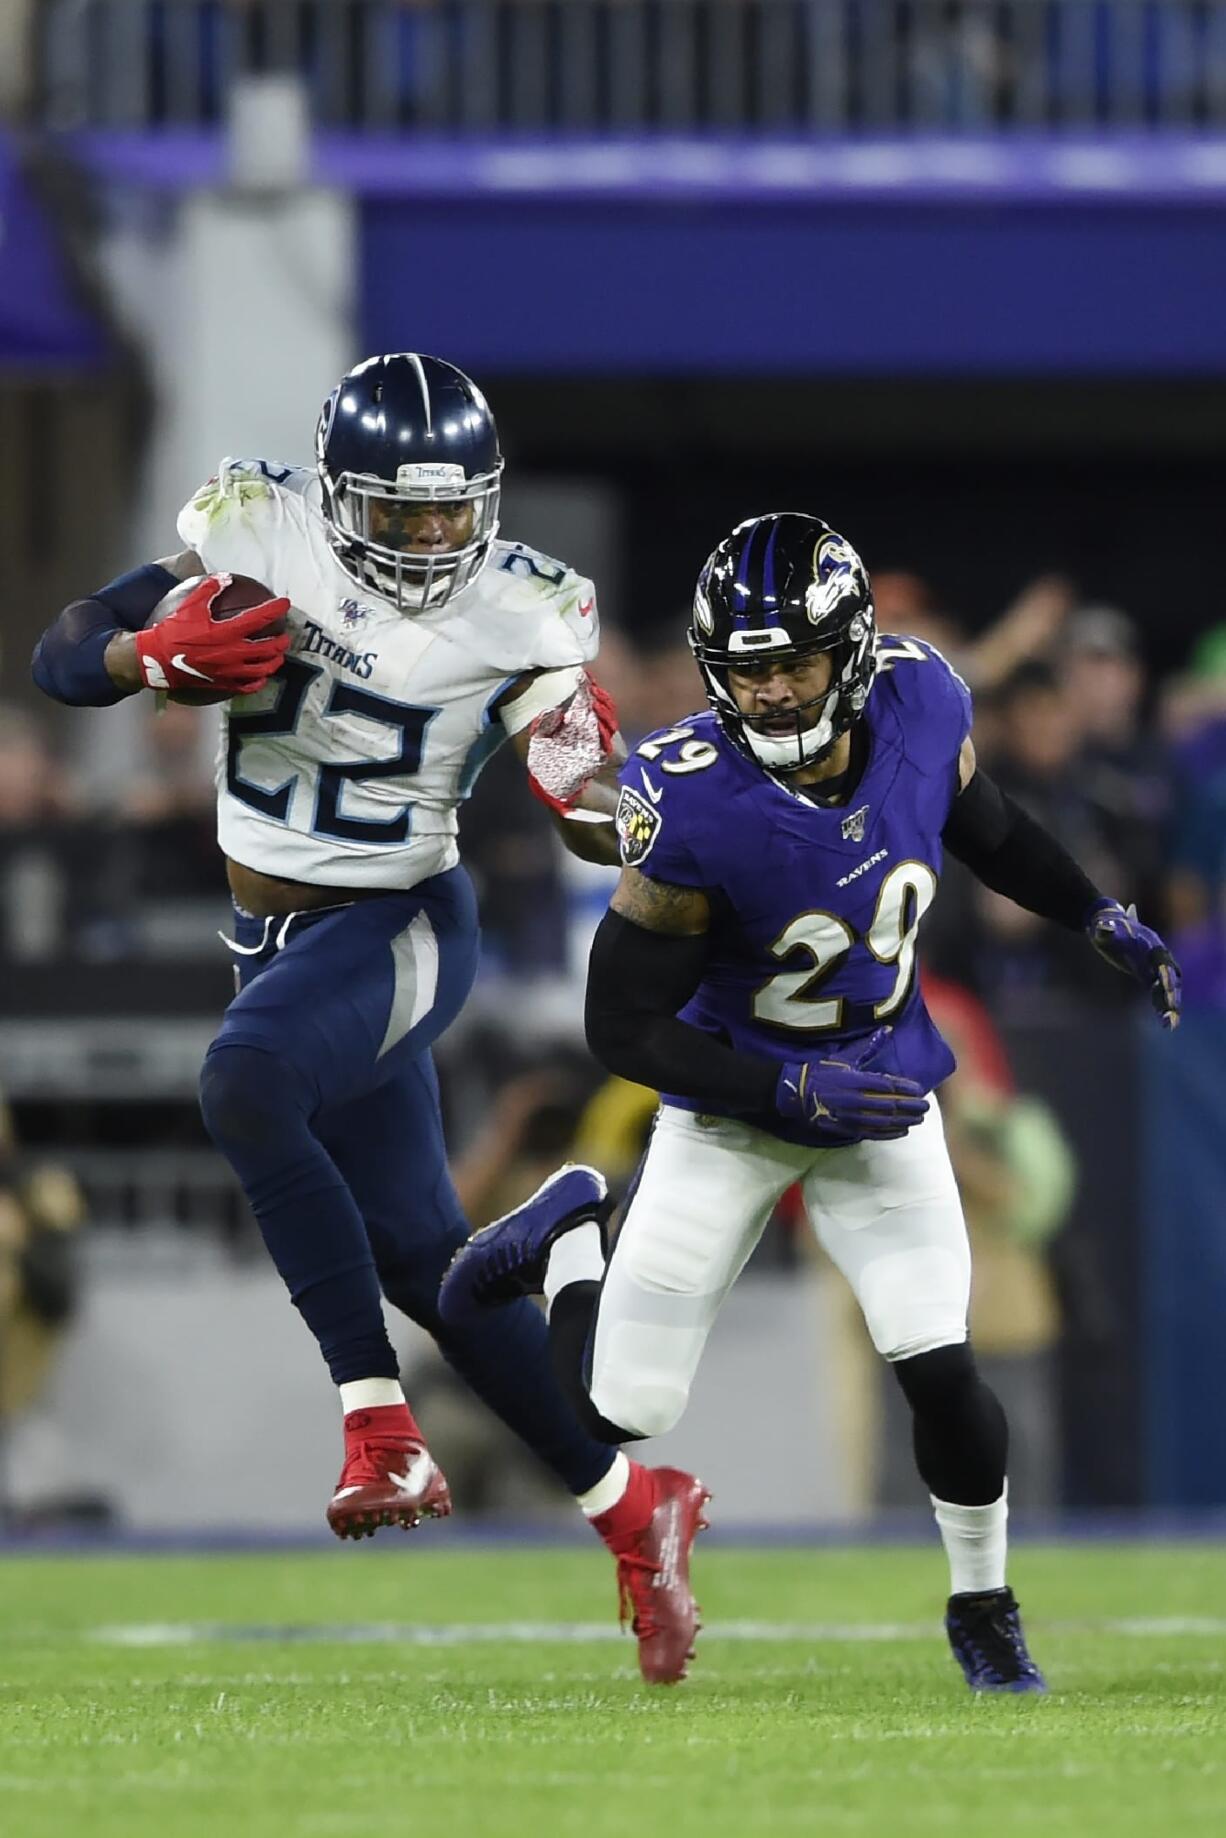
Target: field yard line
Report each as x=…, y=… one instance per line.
x=571, y=1633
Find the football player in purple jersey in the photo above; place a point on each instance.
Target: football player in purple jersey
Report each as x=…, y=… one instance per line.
x=757, y=966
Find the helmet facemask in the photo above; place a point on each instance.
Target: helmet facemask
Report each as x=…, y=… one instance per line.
x=413, y=580
x=817, y=724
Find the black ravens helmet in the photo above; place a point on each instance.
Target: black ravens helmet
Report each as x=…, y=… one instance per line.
x=408, y=431
x=785, y=586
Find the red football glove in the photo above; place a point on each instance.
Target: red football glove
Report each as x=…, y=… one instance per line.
x=605, y=710
x=191, y=650
x=570, y=744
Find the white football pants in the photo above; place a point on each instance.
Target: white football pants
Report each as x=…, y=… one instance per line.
x=887, y=1213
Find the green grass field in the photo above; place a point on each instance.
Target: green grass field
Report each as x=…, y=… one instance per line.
x=478, y=1691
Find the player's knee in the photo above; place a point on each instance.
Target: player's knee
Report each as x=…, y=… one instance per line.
x=246, y=1093
x=645, y=1405
x=914, y=1301
x=937, y=1379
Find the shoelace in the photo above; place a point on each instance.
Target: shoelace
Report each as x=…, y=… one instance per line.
x=635, y=1598
x=363, y=1460
x=996, y=1635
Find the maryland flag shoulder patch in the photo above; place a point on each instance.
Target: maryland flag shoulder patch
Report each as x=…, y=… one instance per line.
x=638, y=824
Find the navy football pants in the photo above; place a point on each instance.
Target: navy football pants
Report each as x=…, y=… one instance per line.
x=321, y=1092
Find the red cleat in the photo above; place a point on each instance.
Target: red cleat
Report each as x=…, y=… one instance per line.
x=389, y=1476
x=653, y=1566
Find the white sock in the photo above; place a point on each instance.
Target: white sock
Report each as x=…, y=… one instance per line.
x=369, y=1394
x=577, y=1257
x=608, y=1490
x=975, y=1540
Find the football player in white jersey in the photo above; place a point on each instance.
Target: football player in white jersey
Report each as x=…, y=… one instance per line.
x=400, y=641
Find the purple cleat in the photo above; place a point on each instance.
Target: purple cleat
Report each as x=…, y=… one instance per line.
x=985, y=1632
x=507, y=1259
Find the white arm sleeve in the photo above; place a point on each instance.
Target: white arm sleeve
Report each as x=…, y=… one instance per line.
x=547, y=691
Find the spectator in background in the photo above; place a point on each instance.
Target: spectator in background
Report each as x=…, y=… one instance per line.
x=613, y=1129
x=1194, y=723
x=529, y=1128
x=160, y=891
x=1122, y=768
x=1026, y=630
x=41, y=1212
x=16, y=61
x=173, y=780
x=1009, y=957
x=167, y=839
x=48, y=854
x=512, y=854
x=906, y=606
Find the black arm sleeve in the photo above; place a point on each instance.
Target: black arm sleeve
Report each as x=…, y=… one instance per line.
x=69, y=662
x=1014, y=855
x=637, y=980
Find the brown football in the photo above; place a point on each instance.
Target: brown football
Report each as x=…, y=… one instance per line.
x=240, y=593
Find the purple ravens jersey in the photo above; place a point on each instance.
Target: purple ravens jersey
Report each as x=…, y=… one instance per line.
x=814, y=909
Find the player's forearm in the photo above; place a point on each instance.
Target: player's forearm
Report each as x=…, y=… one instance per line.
x=637, y=981
x=591, y=841
x=86, y=657
x=587, y=828
x=667, y=1054
x=1013, y=855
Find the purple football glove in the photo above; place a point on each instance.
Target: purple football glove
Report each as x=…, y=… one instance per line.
x=1127, y=945
x=837, y=1098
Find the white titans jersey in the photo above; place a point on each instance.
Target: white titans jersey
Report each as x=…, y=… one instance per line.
x=346, y=771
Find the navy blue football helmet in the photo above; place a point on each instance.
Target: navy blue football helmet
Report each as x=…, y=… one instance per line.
x=408, y=429
x=785, y=586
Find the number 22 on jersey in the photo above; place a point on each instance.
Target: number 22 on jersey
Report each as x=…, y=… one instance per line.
x=405, y=722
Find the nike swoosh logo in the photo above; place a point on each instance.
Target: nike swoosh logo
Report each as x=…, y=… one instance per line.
x=650, y=789
x=179, y=662
x=416, y=1477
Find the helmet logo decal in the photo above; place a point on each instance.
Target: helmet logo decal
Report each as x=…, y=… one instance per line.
x=838, y=575
x=704, y=618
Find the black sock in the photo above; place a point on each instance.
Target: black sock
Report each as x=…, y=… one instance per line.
x=960, y=1431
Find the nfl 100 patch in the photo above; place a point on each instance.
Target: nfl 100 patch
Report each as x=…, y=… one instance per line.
x=638, y=825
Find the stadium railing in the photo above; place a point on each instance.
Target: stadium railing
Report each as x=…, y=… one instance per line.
x=681, y=66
